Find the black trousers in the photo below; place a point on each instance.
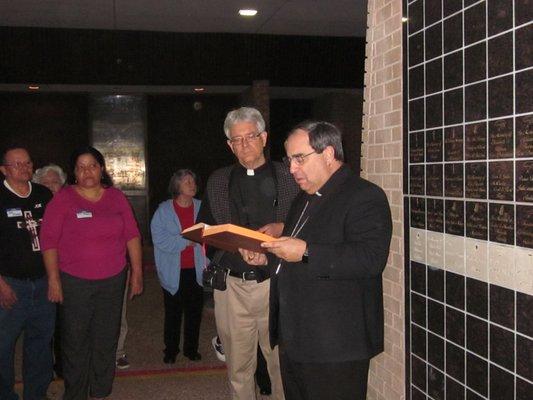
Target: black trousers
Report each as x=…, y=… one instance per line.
x=90, y=324
x=189, y=302
x=318, y=381
x=56, y=344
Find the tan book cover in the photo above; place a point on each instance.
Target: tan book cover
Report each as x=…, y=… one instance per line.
x=227, y=237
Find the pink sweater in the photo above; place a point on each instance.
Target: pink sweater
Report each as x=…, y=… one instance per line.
x=90, y=237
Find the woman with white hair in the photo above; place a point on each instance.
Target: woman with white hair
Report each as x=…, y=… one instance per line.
x=54, y=178
x=51, y=176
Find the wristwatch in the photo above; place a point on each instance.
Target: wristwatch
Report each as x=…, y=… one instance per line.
x=305, y=256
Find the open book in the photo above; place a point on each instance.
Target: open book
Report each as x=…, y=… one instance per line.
x=227, y=237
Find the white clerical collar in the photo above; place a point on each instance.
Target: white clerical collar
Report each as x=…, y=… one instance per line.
x=14, y=192
x=252, y=171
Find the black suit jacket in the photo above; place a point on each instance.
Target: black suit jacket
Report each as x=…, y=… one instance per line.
x=331, y=309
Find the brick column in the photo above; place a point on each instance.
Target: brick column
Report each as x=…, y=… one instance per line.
x=258, y=96
x=382, y=163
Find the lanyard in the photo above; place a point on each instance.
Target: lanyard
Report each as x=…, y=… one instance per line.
x=297, y=228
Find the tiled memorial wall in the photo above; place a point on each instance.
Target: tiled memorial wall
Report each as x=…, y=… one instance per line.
x=469, y=190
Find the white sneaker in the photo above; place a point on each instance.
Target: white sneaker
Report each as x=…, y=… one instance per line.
x=219, y=350
x=122, y=362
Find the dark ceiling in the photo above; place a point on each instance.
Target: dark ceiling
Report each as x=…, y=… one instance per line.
x=275, y=17
x=170, y=45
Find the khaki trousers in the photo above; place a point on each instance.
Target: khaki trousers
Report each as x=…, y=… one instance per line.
x=241, y=313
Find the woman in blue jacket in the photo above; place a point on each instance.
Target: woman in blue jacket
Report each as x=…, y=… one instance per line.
x=179, y=265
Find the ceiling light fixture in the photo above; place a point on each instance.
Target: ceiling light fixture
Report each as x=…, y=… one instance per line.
x=33, y=87
x=247, y=12
x=199, y=89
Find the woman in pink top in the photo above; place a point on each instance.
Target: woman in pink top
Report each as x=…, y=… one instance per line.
x=87, y=229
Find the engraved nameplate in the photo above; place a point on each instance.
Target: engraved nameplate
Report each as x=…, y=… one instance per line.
x=435, y=215
x=453, y=180
x=524, y=136
x=416, y=179
x=501, y=181
x=434, y=145
x=477, y=220
x=476, y=141
x=453, y=143
x=434, y=179
x=418, y=212
x=501, y=223
x=501, y=138
x=416, y=147
x=524, y=226
x=524, y=181
x=454, y=217
x=476, y=180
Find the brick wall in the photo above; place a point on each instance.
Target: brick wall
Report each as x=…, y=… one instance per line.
x=382, y=163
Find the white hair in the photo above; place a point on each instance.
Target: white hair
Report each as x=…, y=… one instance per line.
x=244, y=114
x=41, y=172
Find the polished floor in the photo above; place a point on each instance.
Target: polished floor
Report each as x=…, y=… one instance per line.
x=148, y=377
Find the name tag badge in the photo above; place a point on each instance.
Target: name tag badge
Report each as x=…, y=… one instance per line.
x=38, y=205
x=84, y=214
x=14, y=212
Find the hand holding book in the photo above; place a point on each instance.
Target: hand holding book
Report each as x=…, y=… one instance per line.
x=253, y=258
x=227, y=237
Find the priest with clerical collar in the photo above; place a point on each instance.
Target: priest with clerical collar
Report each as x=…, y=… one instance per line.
x=255, y=193
x=326, y=295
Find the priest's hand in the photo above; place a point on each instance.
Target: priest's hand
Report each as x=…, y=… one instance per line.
x=253, y=258
x=287, y=248
x=273, y=229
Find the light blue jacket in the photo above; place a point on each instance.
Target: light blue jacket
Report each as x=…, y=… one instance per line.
x=168, y=244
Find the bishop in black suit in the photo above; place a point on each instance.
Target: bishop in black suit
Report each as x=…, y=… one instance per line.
x=326, y=306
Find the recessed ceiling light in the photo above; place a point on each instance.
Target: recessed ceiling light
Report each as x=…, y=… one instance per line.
x=199, y=89
x=33, y=87
x=247, y=12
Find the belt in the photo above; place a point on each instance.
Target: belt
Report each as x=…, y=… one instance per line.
x=245, y=276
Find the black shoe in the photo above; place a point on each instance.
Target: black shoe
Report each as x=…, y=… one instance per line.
x=265, y=391
x=170, y=358
x=193, y=356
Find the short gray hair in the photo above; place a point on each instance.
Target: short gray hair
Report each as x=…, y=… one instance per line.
x=244, y=114
x=321, y=135
x=41, y=172
x=174, y=184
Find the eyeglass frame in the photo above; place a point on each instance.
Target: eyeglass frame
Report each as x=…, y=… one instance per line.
x=239, y=140
x=19, y=164
x=299, y=159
